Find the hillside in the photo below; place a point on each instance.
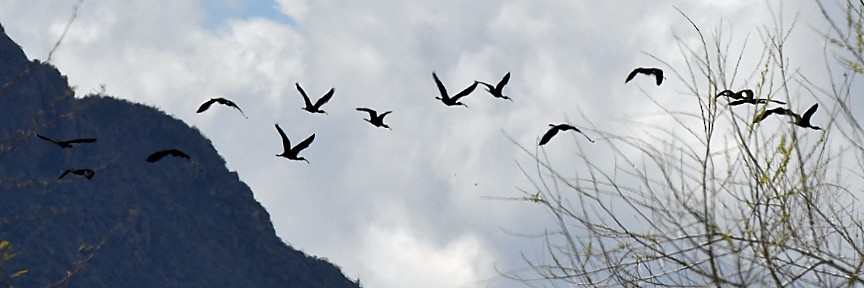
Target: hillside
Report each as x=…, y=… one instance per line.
x=173, y=223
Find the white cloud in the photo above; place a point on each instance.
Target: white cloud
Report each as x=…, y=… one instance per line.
x=407, y=195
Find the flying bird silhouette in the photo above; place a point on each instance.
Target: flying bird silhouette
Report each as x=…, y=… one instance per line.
x=156, y=156
x=498, y=90
x=315, y=108
x=67, y=143
x=374, y=118
x=745, y=96
x=560, y=127
x=452, y=101
x=291, y=152
x=86, y=173
x=222, y=101
x=658, y=74
x=799, y=120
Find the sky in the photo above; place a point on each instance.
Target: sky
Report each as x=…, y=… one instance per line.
x=415, y=206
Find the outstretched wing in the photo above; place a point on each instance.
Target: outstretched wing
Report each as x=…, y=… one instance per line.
x=385, y=114
x=178, y=153
x=548, y=136
x=156, y=156
x=296, y=150
x=64, y=174
x=46, y=138
x=372, y=113
x=230, y=103
x=303, y=93
x=658, y=74
x=440, y=85
x=809, y=113
x=325, y=98
x=465, y=92
x=81, y=140
x=632, y=74
x=205, y=106
x=286, y=144
x=779, y=110
x=503, y=81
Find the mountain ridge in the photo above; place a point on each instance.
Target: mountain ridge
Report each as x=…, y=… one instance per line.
x=173, y=223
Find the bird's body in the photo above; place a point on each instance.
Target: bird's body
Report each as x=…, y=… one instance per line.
x=222, y=101
x=67, y=143
x=315, y=108
x=158, y=155
x=497, y=91
x=452, y=101
x=375, y=118
x=658, y=74
x=559, y=127
x=799, y=120
x=291, y=152
x=86, y=173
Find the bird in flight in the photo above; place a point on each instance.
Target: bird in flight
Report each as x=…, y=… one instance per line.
x=658, y=74
x=291, y=152
x=87, y=173
x=745, y=96
x=67, y=143
x=374, y=118
x=315, y=108
x=497, y=91
x=222, y=101
x=560, y=127
x=799, y=120
x=452, y=101
x=156, y=156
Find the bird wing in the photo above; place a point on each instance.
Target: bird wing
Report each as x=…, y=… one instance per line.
x=548, y=136
x=286, y=144
x=465, y=92
x=583, y=134
x=325, y=98
x=659, y=75
x=440, y=85
x=779, y=110
x=81, y=140
x=809, y=113
x=157, y=155
x=632, y=74
x=503, y=81
x=303, y=93
x=205, y=106
x=178, y=153
x=230, y=103
x=46, y=138
x=64, y=174
x=777, y=101
x=296, y=150
x=372, y=113
x=384, y=114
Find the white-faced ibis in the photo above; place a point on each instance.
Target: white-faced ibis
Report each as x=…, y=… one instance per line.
x=222, y=101
x=745, y=96
x=156, y=156
x=497, y=91
x=291, y=152
x=452, y=101
x=658, y=74
x=560, y=127
x=374, y=118
x=86, y=173
x=799, y=120
x=67, y=143
x=315, y=108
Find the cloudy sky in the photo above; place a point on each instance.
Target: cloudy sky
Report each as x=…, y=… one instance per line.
x=409, y=207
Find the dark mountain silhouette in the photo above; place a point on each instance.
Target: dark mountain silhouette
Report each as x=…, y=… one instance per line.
x=173, y=223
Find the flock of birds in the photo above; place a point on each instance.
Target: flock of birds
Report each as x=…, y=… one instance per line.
x=745, y=96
